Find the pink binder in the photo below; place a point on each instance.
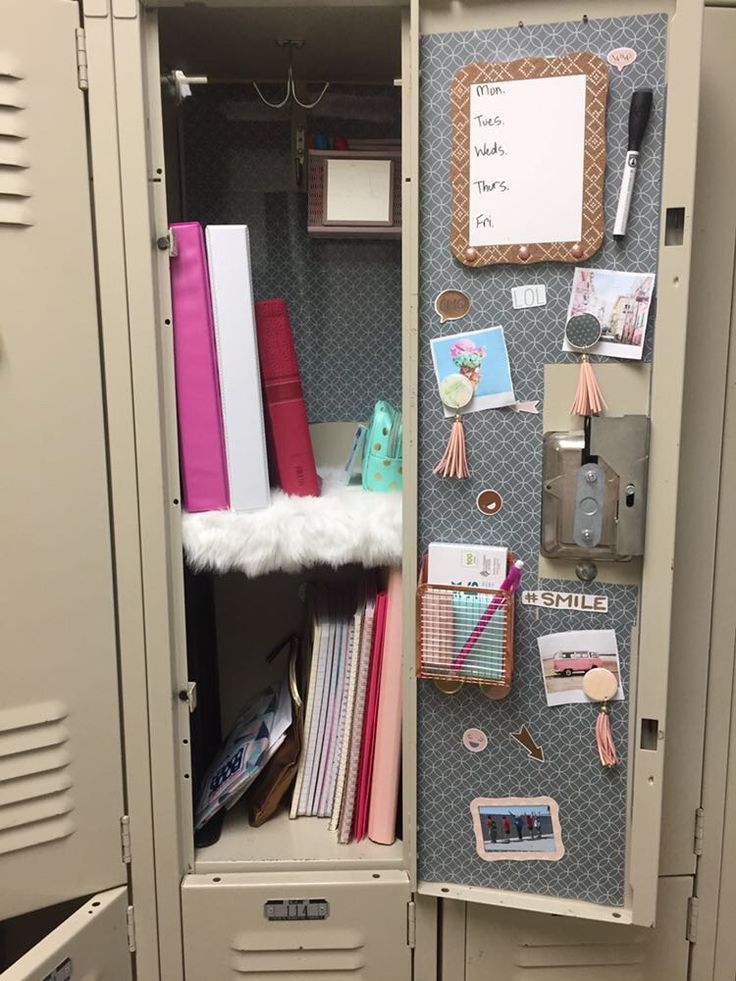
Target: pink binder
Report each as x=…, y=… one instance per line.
x=387, y=752
x=201, y=438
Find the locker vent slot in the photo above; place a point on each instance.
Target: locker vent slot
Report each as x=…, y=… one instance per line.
x=12, y=153
x=576, y=960
x=334, y=955
x=9, y=67
x=10, y=94
x=12, y=123
x=36, y=804
x=15, y=185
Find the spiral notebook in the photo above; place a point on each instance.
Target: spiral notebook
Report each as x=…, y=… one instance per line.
x=353, y=762
x=348, y=716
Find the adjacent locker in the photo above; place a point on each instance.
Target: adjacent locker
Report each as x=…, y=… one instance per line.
x=61, y=792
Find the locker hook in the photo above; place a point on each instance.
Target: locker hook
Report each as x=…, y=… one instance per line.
x=182, y=83
x=290, y=86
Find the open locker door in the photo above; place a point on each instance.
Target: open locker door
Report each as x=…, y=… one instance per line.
x=595, y=852
x=61, y=789
x=91, y=943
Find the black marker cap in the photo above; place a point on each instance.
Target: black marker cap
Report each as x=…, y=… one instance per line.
x=639, y=110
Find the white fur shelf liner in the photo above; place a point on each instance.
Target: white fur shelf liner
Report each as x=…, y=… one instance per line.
x=345, y=525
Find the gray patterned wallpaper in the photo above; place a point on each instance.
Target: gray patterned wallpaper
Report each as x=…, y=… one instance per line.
x=344, y=296
x=505, y=454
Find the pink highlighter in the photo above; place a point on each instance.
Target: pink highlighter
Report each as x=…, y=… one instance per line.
x=509, y=585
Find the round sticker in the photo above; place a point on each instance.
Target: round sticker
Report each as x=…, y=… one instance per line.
x=456, y=391
x=489, y=502
x=475, y=740
x=583, y=332
x=600, y=684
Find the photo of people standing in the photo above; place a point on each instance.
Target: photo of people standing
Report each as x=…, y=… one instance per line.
x=517, y=828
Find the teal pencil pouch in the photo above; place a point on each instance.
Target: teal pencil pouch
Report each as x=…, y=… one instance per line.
x=382, y=463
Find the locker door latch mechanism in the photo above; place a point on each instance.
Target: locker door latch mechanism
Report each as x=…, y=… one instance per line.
x=594, y=489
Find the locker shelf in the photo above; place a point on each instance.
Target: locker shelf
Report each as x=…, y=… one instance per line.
x=282, y=845
x=345, y=525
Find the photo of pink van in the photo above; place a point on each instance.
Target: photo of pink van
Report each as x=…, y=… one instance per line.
x=567, y=657
x=567, y=663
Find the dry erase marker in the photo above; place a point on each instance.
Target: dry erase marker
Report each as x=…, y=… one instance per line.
x=641, y=106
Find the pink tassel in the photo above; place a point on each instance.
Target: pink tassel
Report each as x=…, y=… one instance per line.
x=604, y=738
x=454, y=462
x=588, y=399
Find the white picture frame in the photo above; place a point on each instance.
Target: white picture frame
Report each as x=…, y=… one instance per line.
x=358, y=192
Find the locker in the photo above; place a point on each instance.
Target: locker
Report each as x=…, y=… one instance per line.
x=62, y=792
x=142, y=626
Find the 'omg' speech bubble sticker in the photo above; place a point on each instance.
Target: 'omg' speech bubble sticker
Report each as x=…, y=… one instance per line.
x=621, y=57
x=451, y=305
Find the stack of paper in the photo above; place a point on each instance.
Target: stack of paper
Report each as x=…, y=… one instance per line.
x=482, y=566
x=351, y=750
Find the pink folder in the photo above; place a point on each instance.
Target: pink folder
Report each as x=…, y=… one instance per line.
x=365, y=774
x=201, y=438
x=387, y=751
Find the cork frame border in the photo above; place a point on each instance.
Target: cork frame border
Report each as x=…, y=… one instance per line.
x=594, y=160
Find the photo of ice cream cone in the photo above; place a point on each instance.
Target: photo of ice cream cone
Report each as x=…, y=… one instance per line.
x=467, y=358
x=472, y=371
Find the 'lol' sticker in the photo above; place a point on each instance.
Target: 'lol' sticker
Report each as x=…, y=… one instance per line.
x=451, y=305
x=621, y=57
x=475, y=740
x=534, y=295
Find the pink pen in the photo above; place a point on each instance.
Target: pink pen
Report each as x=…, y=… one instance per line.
x=509, y=585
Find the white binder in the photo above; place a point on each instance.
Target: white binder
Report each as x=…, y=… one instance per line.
x=228, y=256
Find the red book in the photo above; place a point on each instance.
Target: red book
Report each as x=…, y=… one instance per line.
x=287, y=428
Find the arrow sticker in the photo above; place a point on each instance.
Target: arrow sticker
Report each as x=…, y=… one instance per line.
x=526, y=407
x=525, y=739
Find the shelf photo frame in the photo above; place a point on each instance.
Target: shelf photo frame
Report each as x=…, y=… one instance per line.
x=358, y=191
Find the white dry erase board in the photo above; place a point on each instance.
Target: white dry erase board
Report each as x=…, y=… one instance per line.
x=358, y=192
x=528, y=160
